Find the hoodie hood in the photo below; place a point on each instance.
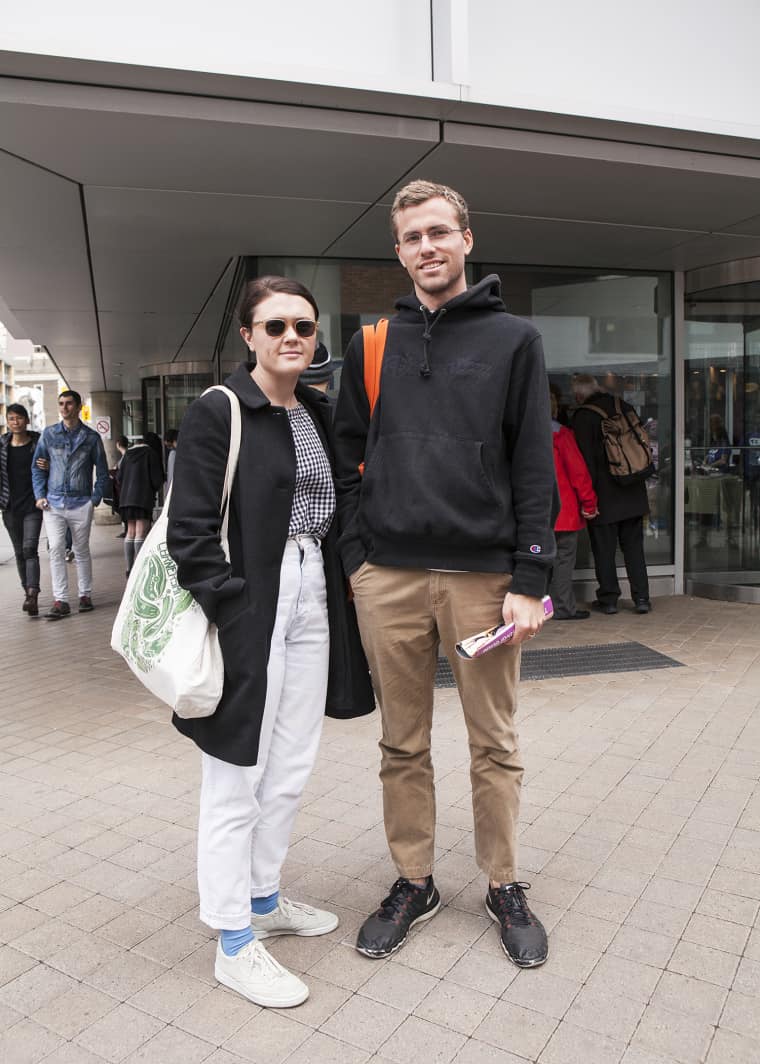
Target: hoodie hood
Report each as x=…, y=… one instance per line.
x=485, y=295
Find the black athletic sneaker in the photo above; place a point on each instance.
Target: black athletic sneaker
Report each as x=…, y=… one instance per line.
x=58, y=610
x=388, y=929
x=523, y=937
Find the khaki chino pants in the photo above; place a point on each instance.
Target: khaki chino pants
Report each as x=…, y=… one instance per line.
x=403, y=615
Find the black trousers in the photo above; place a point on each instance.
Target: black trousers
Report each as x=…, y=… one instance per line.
x=24, y=532
x=604, y=540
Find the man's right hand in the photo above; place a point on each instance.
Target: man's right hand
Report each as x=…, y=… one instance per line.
x=42, y=504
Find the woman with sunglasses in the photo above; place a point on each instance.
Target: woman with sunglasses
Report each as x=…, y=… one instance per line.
x=288, y=634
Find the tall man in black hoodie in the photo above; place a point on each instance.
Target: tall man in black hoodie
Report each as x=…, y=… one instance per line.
x=448, y=530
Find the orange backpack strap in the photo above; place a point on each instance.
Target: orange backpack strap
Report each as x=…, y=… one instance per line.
x=374, y=348
x=374, y=337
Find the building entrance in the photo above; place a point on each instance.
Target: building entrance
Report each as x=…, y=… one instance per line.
x=722, y=432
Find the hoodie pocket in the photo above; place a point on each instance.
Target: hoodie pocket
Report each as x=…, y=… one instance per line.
x=433, y=486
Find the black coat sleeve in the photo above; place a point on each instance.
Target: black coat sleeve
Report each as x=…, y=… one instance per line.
x=350, y=430
x=194, y=532
x=155, y=471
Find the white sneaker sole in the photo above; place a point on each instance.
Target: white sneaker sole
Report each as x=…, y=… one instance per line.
x=307, y=932
x=268, y=1001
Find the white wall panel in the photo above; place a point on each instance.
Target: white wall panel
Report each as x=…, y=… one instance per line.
x=361, y=43
x=689, y=64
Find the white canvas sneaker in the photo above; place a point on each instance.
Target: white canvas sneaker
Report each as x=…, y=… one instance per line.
x=256, y=975
x=293, y=918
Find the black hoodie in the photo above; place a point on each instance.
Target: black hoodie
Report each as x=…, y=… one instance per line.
x=459, y=470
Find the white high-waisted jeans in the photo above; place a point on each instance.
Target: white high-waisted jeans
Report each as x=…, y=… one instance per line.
x=247, y=813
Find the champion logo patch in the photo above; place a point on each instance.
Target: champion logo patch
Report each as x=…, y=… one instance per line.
x=535, y=548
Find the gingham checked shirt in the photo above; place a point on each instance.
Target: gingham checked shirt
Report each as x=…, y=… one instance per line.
x=314, y=495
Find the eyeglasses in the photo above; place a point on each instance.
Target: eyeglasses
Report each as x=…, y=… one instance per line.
x=304, y=327
x=436, y=235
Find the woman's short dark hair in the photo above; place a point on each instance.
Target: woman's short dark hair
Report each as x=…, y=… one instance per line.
x=17, y=408
x=260, y=288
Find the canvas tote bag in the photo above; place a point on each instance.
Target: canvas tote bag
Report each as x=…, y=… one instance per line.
x=160, y=630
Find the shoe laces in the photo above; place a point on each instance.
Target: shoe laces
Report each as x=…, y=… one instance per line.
x=293, y=909
x=401, y=895
x=258, y=957
x=512, y=905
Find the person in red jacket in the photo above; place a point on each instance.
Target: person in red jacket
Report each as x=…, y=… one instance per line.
x=578, y=501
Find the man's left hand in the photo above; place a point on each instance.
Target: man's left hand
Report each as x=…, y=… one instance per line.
x=527, y=613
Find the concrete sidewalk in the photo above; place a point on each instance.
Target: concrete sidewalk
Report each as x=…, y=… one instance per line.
x=640, y=838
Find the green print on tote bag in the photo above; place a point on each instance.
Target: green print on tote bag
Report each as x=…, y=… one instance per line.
x=160, y=630
x=156, y=605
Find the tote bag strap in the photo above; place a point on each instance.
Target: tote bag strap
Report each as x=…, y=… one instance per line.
x=232, y=461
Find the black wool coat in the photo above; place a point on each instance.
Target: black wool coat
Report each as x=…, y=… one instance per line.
x=139, y=477
x=617, y=502
x=240, y=596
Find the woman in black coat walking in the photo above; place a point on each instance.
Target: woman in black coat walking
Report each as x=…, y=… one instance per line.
x=139, y=477
x=287, y=633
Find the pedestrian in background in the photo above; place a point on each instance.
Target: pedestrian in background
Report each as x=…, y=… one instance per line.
x=577, y=503
x=64, y=491
x=122, y=446
x=319, y=375
x=139, y=477
x=22, y=519
x=170, y=443
x=621, y=506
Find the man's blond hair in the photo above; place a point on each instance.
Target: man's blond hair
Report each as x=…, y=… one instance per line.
x=417, y=192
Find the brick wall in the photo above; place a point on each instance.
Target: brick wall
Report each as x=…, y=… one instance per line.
x=371, y=288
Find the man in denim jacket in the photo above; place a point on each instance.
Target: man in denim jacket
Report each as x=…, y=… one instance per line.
x=62, y=468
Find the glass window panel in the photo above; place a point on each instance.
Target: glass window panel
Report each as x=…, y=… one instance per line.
x=618, y=327
x=151, y=389
x=179, y=391
x=722, y=439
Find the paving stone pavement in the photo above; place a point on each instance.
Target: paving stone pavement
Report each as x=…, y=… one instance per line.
x=640, y=836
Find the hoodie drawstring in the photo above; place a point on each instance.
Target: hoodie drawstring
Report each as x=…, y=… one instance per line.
x=425, y=369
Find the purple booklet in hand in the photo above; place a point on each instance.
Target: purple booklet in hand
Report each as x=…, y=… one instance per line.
x=478, y=645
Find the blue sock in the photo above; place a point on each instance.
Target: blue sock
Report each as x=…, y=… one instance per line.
x=264, y=906
x=233, y=941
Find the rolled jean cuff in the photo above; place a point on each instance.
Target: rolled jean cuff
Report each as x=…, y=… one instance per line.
x=415, y=871
x=226, y=923
x=497, y=875
x=265, y=891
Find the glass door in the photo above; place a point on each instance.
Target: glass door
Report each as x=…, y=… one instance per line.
x=722, y=445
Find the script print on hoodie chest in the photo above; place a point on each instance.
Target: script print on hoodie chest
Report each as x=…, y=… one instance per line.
x=449, y=400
